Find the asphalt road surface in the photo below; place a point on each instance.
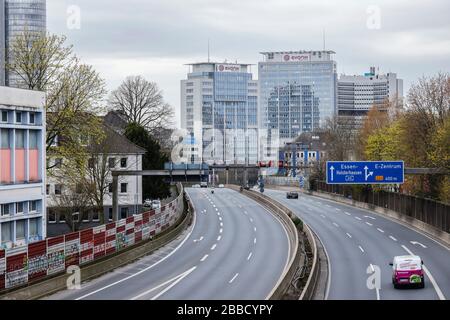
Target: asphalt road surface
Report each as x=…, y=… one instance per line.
x=235, y=250
x=357, y=240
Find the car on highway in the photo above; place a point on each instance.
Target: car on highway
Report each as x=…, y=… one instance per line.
x=292, y=195
x=204, y=184
x=407, y=271
x=221, y=186
x=196, y=186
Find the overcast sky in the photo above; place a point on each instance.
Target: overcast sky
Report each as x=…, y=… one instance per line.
x=155, y=38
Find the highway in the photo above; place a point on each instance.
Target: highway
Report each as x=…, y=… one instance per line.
x=356, y=240
x=235, y=250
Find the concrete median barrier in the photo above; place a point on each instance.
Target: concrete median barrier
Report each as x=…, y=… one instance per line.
x=286, y=217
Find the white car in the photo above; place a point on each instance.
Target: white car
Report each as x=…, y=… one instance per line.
x=221, y=186
x=196, y=186
x=156, y=204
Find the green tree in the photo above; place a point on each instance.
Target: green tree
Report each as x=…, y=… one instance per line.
x=153, y=159
x=74, y=91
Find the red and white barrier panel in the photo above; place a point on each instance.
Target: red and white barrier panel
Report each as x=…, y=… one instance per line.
x=33, y=262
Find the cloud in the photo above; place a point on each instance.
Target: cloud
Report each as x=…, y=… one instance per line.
x=157, y=37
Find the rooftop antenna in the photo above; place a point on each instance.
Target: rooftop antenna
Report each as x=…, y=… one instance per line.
x=209, y=52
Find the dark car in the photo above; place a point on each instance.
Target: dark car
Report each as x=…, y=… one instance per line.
x=292, y=195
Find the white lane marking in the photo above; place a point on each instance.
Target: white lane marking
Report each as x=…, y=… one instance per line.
x=218, y=213
x=418, y=243
x=369, y=224
x=361, y=248
x=234, y=278
x=392, y=238
x=219, y=238
x=221, y=230
x=204, y=258
x=179, y=278
x=254, y=241
x=381, y=230
x=349, y=235
x=198, y=240
x=337, y=209
x=217, y=209
x=328, y=206
x=142, y=271
x=249, y=256
x=377, y=289
x=335, y=224
x=348, y=213
x=322, y=216
x=221, y=224
x=214, y=205
x=428, y=273
x=214, y=247
x=251, y=220
x=245, y=212
x=369, y=217
x=358, y=218
x=220, y=219
x=240, y=207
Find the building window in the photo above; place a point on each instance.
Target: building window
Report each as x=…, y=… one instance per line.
x=32, y=206
x=110, y=188
x=123, y=213
x=20, y=230
x=47, y=189
x=55, y=141
x=6, y=209
x=112, y=163
x=6, y=232
x=33, y=139
x=91, y=163
x=58, y=189
x=62, y=218
x=4, y=116
x=32, y=118
x=51, y=217
x=123, y=187
x=19, y=208
x=5, y=144
x=123, y=162
x=110, y=214
x=33, y=231
x=95, y=216
x=20, y=139
x=18, y=117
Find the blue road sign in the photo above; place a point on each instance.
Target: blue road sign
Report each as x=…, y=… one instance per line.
x=365, y=172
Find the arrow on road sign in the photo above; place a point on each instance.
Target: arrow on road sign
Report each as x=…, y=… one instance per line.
x=415, y=243
x=366, y=169
x=332, y=173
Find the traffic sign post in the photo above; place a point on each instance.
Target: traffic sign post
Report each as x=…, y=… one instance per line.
x=365, y=172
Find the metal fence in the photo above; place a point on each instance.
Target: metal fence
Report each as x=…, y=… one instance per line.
x=429, y=211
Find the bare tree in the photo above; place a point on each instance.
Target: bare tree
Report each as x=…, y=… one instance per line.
x=142, y=102
x=73, y=90
x=339, y=139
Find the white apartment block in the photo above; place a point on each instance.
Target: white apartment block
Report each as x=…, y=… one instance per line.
x=22, y=167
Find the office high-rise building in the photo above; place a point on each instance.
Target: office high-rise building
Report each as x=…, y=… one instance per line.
x=357, y=94
x=220, y=113
x=2, y=42
x=297, y=92
x=19, y=16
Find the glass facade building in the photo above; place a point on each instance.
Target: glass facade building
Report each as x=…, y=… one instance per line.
x=20, y=16
x=219, y=111
x=297, y=92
